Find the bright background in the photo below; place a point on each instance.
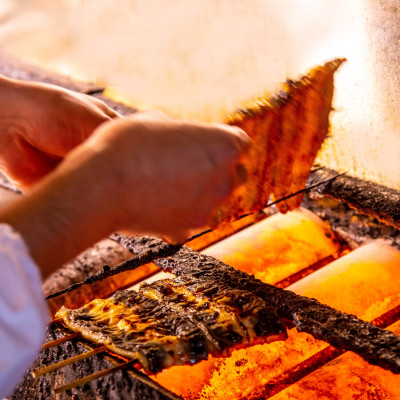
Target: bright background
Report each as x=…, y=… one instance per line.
x=200, y=59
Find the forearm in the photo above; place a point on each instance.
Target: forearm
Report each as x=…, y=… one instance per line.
x=61, y=217
x=145, y=174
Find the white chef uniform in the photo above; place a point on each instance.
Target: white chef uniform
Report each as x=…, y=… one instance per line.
x=23, y=311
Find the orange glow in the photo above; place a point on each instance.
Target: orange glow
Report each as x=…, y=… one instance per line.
x=279, y=246
x=100, y=289
x=346, y=377
x=346, y=283
x=224, y=231
x=375, y=265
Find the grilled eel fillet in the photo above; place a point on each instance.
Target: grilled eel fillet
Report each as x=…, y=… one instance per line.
x=287, y=131
x=176, y=321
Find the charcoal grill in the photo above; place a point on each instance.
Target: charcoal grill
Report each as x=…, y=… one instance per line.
x=357, y=210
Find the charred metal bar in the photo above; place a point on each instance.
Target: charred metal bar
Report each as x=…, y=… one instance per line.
x=93, y=91
x=140, y=376
x=293, y=375
x=15, y=68
x=314, y=362
x=148, y=249
x=366, y=197
x=343, y=331
x=284, y=283
x=61, y=364
x=145, y=245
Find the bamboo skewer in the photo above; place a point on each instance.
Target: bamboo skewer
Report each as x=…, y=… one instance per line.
x=155, y=385
x=55, y=321
x=92, y=377
x=166, y=250
x=61, y=364
x=61, y=340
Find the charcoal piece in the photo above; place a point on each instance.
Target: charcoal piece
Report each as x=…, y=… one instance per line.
x=366, y=197
x=87, y=264
x=120, y=385
x=344, y=331
x=146, y=248
x=106, y=271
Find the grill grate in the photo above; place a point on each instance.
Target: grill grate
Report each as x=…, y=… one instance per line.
x=117, y=363
x=345, y=331
x=371, y=199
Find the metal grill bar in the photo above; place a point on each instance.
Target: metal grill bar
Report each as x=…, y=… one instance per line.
x=341, y=330
x=149, y=249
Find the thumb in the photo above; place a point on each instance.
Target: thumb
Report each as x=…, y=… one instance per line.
x=34, y=167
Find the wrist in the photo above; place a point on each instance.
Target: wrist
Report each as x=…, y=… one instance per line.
x=61, y=217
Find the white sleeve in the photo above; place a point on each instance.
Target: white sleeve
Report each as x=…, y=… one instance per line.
x=23, y=311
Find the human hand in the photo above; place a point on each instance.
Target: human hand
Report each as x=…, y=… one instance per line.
x=40, y=124
x=167, y=176
x=144, y=174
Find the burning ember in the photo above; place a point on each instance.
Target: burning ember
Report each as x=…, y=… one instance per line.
x=345, y=284
x=347, y=376
x=279, y=246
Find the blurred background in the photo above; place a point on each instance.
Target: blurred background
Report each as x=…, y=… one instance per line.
x=201, y=59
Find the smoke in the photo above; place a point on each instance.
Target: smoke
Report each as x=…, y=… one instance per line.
x=192, y=59
x=199, y=59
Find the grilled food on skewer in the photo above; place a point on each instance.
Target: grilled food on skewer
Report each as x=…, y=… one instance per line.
x=287, y=130
x=182, y=321
x=176, y=322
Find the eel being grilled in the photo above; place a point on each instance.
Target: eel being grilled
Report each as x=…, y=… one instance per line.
x=176, y=321
x=287, y=130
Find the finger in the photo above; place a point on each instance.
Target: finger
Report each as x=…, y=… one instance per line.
x=33, y=167
x=108, y=111
x=241, y=139
x=229, y=147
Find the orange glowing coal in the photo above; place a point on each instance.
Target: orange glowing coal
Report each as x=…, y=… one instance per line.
x=279, y=246
x=345, y=284
x=346, y=377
